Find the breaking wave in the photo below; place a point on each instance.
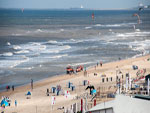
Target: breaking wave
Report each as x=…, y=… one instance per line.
x=7, y=54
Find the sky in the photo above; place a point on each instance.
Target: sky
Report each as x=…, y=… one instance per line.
x=65, y=4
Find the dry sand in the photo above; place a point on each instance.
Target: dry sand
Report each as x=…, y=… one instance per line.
x=41, y=103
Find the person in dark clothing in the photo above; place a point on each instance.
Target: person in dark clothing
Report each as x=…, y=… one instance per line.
x=31, y=83
x=101, y=64
x=13, y=88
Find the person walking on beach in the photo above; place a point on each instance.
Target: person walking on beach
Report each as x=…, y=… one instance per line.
x=31, y=83
x=101, y=64
x=16, y=103
x=13, y=88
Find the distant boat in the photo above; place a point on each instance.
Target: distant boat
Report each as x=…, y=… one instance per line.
x=81, y=7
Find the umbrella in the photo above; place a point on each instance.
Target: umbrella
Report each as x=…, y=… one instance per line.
x=4, y=103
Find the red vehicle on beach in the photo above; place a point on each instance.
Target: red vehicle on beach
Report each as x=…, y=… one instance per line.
x=69, y=70
x=79, y=68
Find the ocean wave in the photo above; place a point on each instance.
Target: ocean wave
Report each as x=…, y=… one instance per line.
x=8, y=43
x=51, y=51
x=133, y=34
x=16, y=34
x=83, y=63
x=61, y=30
x=141, y=46
x=33, y=47
x=66, y=47
x=42, y=47
x=137, y=30
x=12, y=63
x=18, y=62
x=39, y=31
x=16, y=47
x=88, y=27
x=73, y=40
x=57, y=56
x=47, y=31
x=137, y=55
x=8, y=54
x=110, y=30
x=26, y=68
x=98, y=25
x=22, y=51
x=114, y=25
x=52, y=41
x=35, y=43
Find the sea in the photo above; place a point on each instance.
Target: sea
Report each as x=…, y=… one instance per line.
x=37, y=44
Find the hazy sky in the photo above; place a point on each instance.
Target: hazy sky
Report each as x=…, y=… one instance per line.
x=50, y=4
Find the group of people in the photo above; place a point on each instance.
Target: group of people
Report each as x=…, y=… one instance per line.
x=101, y=64
x=8, y=88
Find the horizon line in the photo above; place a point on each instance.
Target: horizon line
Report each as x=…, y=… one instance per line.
x=72, y=8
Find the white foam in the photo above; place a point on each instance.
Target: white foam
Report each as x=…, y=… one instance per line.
x=35, y=43
x=50, y=51
x=66, y=47
x=55, y=48
x=7, y=54
x=98, y=25
x=33, y=47
x=22, y=51
x=57, y=56
x=42, y=47
x=28, y=68
x=88, y=27
x=138, y=55
x=137, y=30
x=83, y=63
x=115, y=25
x=38, y=30
x=18, y=62
x=73, y=40
x=110, y=30
x=16, y=34
x=11, y=63
x=133, y=34
x=16, y=47
x=8, y=43
x=61, y=30
x=52, y=41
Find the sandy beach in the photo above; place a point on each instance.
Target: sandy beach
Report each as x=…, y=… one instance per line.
x=39, y=102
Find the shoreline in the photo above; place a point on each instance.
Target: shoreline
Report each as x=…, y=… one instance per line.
x=39, y=92
x=45, y=80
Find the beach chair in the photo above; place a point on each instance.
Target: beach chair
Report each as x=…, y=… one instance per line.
x=28, y=95
x=135, y=67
